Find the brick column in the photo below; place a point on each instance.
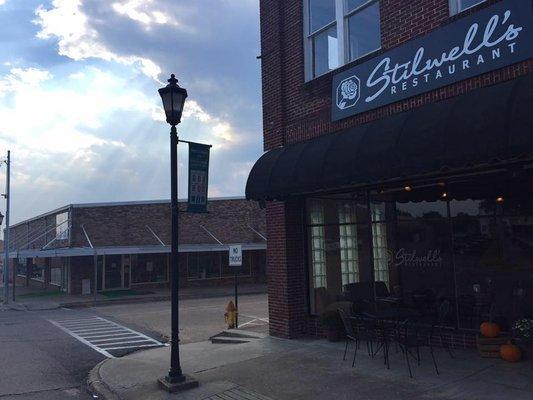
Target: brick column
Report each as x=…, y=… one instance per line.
x=287, y=291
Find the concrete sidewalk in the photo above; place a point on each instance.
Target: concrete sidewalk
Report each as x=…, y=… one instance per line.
x=45, y=300
x=278, y=369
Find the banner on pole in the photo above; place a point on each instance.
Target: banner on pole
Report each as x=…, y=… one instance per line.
x=198, y=177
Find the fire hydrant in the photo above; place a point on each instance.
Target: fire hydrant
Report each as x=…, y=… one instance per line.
x=230, y=315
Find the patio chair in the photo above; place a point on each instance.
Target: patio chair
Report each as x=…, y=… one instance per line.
x=416, y=332
x=357, y=330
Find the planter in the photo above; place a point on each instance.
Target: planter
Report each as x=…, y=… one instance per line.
x=527, y=348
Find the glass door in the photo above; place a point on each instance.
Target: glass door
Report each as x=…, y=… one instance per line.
x=126, y=271
x=113, y=272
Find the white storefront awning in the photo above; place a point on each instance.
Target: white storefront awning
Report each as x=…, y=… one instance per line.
x=88, y=251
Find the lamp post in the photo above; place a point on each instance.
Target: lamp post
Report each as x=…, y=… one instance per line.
x=7, y=196
x=173, y=98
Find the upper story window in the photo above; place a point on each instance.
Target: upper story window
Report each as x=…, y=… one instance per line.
x=339, y=31
x=457, y=6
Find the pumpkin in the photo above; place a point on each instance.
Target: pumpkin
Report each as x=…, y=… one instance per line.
x=490, y=329
x=510, y=352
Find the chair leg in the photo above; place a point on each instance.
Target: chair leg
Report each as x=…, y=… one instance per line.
x=408, y=363
x=368, y=347
x=345, y=350
x=418, y=354
x=386, y=350
x=433, y=357
x=446, y=346
x=354, y=354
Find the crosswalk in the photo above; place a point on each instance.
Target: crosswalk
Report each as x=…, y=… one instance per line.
x=105, y=336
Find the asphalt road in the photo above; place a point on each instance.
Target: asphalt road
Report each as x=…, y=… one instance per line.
x=40, y=360
x=199, y=318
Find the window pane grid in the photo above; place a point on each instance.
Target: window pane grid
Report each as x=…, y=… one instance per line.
x=348, y=244
x=379, y=243
x=318, y=248
x=340, y=31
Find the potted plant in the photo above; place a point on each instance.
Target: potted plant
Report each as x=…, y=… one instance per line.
x=522, y=331
x=332, y=321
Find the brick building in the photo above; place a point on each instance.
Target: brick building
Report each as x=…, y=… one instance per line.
x=128, y=244
x=398, y=140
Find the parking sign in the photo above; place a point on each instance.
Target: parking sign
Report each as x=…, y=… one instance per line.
x=235, y=255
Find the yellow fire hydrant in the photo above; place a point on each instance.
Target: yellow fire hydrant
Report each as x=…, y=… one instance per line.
x=231, y=315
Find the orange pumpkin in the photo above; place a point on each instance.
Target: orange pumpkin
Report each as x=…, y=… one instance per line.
x=510, y=352
x=490, y=329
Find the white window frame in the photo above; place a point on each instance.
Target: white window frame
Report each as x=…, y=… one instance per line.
x=342, y=34
x=317, y=233
x=456, y=8
x=379, y=245
x=347, y=243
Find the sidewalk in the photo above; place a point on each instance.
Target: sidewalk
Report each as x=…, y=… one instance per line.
x=275, y=369
x=44, y=300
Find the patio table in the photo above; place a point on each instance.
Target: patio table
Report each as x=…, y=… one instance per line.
x=391, y=314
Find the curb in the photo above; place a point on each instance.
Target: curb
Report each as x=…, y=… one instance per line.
x=151, y=299
x=99, y=388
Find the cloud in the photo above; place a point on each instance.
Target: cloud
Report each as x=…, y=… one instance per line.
x=95, y=129
x=78, y=40
x=142, y=11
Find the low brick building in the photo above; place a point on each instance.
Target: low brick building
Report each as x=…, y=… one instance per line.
x=127, y=245
x=398, y=157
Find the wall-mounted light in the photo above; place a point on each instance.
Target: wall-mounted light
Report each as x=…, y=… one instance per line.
x=500, y=199
x=407, y=188
x=444, y=195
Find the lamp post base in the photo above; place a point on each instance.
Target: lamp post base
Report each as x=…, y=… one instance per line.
x=184, y=383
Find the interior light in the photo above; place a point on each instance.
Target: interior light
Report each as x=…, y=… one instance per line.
x=444, y=195
x=499, y=199
x=408, y=188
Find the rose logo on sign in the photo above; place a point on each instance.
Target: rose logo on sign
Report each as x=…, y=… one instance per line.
x=348, y=92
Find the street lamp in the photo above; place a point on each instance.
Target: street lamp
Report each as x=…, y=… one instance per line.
x=173, y=98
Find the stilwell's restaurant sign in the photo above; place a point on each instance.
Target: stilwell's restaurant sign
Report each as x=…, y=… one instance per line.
x=497, y=36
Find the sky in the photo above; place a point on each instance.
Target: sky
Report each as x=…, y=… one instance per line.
x=79, y=107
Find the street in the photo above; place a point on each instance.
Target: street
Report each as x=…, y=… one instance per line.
x=199, y=318
x=43, y=359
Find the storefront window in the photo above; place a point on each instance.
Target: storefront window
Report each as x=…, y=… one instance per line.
x=204, y=265
x=379, y=243
x=337, y=254
x=149, y=268
x=494, y=260
x=318, y=247
x=348, y=244
x=423, y=256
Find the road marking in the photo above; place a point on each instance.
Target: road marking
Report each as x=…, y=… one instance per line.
x=254, y=321
x=103, y=335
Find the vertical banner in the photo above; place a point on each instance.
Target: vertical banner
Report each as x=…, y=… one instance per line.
x=198, y=177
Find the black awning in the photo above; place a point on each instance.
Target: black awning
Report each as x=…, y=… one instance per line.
x=484, y=126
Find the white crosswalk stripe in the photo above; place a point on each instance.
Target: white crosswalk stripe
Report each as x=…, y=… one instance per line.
x=105, y=336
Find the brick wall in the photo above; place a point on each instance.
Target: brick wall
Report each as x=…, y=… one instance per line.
x=126, y=225
x=295, y=110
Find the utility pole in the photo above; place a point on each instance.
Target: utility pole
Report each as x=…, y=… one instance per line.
x=6, y=232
